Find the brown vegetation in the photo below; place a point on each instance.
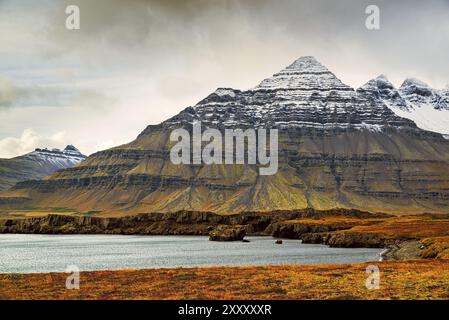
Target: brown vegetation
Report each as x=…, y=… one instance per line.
x=407, y=227
x=421, y=279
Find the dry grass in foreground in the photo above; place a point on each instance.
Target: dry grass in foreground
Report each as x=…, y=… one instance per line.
x=421, y=279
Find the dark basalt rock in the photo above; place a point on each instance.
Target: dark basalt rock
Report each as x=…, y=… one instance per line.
x=347, y=240
x=227, y=233
x=296, y=230
x=170, y=223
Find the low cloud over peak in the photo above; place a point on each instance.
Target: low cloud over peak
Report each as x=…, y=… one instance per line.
x=142, y=61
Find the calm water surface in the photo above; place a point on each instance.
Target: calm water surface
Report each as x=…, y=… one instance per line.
x=53, y=253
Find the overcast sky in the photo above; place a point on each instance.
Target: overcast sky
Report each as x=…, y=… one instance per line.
x=138, y=62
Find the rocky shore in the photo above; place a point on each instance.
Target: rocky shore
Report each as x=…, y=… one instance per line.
x=403, y=251
x=175, y=223
x=402, y=237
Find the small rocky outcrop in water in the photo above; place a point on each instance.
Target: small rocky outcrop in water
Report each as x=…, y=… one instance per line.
x=227, y=233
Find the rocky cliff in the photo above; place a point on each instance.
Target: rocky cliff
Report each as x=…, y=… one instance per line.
x=174, y=223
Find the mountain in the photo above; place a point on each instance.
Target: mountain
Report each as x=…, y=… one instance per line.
x=37, y=164
x=303, y=95
x=338, y=148
x=414, y=100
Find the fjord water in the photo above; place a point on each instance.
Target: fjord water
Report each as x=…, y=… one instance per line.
x=21, y=253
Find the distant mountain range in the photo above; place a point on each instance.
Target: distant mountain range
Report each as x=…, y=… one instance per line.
x=338, y=148
x=37, y=164
x=414, y=100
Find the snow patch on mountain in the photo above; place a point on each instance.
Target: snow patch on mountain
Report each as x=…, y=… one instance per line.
x=414, y=100
x=427, y=117
x=225, y=92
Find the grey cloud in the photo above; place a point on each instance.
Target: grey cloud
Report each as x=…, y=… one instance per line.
x=55, y=95
x=13, y=95
x=156, y=57
x=7, y=92
x=146, y=34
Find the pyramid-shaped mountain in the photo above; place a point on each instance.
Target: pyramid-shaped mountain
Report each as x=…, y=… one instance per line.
x=338, y=148
x=305, y=94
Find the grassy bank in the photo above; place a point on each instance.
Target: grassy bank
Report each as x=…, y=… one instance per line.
x=420, y=279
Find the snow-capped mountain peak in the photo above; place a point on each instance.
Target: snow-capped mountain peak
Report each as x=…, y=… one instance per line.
x=414, y=100
x=383, y=78
x=305, y=94
x=419, y=94
x=381, y=90
x=417, y=91
x=305, y=73
x=306, y=64
x=71, y=151
x=59, y=159
x=37, y=165
x=380, y=82
x=408, y=82
x=70, y=148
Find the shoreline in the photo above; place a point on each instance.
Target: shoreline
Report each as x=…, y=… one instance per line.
x=158, y=252
x=382, y=254
x=405, y=250
x=243, y=266
x=400, y=237
x=190, y=223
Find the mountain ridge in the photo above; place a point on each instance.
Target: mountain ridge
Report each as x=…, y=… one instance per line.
x=338, y=148
x=414, y=100
x=37, y=164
